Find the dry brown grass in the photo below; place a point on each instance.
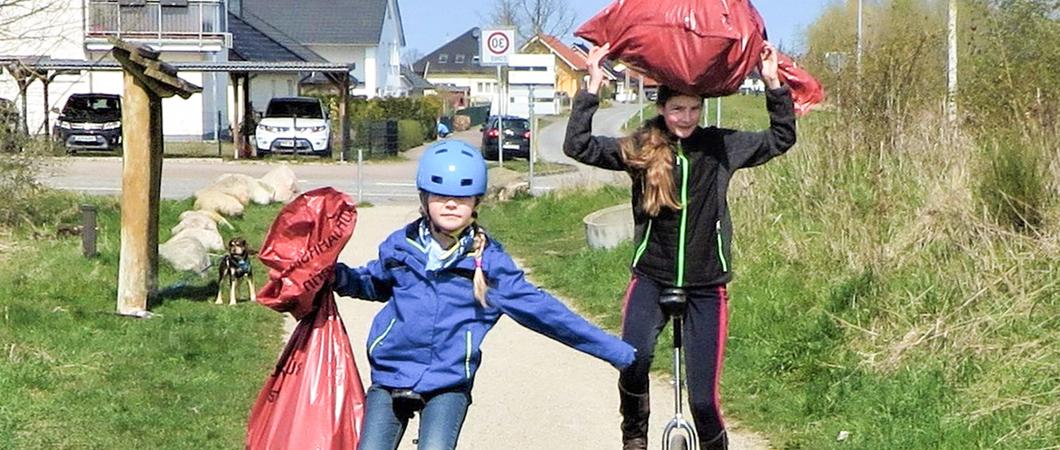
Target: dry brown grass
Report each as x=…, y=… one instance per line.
x=955, y=285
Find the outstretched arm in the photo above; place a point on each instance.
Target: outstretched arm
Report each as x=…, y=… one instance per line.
x=543, y=313
x=371, y=282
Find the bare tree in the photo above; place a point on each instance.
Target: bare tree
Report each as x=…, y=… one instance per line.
x=532, y=17
x=553, y=17
x=410, y=55
x=22, y=20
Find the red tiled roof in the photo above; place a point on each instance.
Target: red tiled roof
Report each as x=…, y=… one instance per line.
x=573, y=59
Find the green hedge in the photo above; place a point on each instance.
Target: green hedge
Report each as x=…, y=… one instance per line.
x=411, y=133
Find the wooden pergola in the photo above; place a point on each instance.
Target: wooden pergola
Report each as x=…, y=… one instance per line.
x=27, y=69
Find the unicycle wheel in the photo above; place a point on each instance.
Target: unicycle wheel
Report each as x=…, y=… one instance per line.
x=679, y=442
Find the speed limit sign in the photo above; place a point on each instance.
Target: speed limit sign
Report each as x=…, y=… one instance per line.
x=495, y=46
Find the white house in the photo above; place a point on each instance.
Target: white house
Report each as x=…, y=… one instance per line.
x=366, y=33
x=73, y=33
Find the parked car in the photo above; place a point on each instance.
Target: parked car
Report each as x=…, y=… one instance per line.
x=294, y=125
x=90, y=122
x=516, y=143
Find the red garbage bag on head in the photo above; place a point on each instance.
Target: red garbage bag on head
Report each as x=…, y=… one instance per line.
x=699, y=47
x=314, y=398
x=302, y=247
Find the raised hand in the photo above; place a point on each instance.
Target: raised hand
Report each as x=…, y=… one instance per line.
x=596, y=73
x=768, y=67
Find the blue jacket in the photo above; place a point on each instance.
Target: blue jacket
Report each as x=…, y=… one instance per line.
x=428, y=335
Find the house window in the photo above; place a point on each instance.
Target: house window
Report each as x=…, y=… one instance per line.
x=443, y=58
x=474, y=59
x=459, y=59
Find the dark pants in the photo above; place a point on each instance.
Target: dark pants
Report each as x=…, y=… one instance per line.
x=441, y=418
x=705, y=329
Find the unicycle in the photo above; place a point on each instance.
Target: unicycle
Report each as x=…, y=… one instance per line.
x=679, y=433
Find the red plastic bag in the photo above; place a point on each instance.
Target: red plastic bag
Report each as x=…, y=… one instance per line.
x=314, y=399
x=302, y=246
x=806, y=91
x=704, y=47
x=701, y=47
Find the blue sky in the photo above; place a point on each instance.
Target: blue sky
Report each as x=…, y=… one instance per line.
x=427, y=28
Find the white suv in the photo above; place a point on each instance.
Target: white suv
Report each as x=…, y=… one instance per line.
x=295, y=125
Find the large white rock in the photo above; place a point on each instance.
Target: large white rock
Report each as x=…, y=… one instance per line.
x=210, y=215
x=260, y=193
x=186, y=254
x=219, y=202
x=194, y=222
x=283, y=182
x=231, y=185
x=210, y=239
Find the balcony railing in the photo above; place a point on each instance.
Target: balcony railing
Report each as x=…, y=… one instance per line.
x=197, y=20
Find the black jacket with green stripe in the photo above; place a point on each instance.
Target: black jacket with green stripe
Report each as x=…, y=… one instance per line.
x=690, y=247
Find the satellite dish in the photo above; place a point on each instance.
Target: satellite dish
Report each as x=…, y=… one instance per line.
x=476, y=33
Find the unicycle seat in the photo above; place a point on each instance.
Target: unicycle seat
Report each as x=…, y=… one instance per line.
x=407, y=399
x=674, y=302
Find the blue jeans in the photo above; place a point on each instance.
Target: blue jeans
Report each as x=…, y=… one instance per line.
x=440, y=420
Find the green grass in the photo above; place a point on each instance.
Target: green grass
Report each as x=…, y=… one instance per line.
x=740, y=112
x=540, y=167
x=872, y=295
x=198, y=149
x=75, y=375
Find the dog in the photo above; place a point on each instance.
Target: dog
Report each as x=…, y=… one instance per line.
x=235, y=266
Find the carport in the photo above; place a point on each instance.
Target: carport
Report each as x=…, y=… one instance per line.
x=25, y=70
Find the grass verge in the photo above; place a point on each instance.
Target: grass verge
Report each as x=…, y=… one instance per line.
x=540, y=167
x=74, y=375
x=873, y=294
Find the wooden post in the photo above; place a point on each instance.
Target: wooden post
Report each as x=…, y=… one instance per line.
x=142, y=137
x=47, y=80
x=147, y=81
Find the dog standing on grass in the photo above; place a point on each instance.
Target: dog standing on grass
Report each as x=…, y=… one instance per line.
x=235, y=266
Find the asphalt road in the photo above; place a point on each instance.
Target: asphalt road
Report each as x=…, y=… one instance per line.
x=385, y=182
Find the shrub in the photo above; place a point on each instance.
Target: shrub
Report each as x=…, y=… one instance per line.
x=1013, y=183
x=411, y=133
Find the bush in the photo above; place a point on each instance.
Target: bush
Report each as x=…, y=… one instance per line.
x=411, y=133
x=1013, y=184
x=18, y=187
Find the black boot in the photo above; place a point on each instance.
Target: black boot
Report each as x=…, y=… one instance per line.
x=720, y=442
x=635, y=409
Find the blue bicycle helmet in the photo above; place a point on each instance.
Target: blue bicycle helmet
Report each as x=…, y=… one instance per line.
x=452, y=168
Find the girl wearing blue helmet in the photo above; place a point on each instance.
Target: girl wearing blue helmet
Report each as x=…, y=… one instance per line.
x=446, y=283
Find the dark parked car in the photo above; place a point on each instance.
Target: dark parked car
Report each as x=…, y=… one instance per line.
x=516, y=142
x=90, y=122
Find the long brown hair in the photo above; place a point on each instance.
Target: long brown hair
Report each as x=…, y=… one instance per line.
x=649, y=151
x=481, y=286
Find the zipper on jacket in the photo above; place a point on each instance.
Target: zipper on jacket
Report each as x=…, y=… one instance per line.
x=683, y=162
x=643, y=244
x=381, y=336
x=721, y=248
x=467, y=355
